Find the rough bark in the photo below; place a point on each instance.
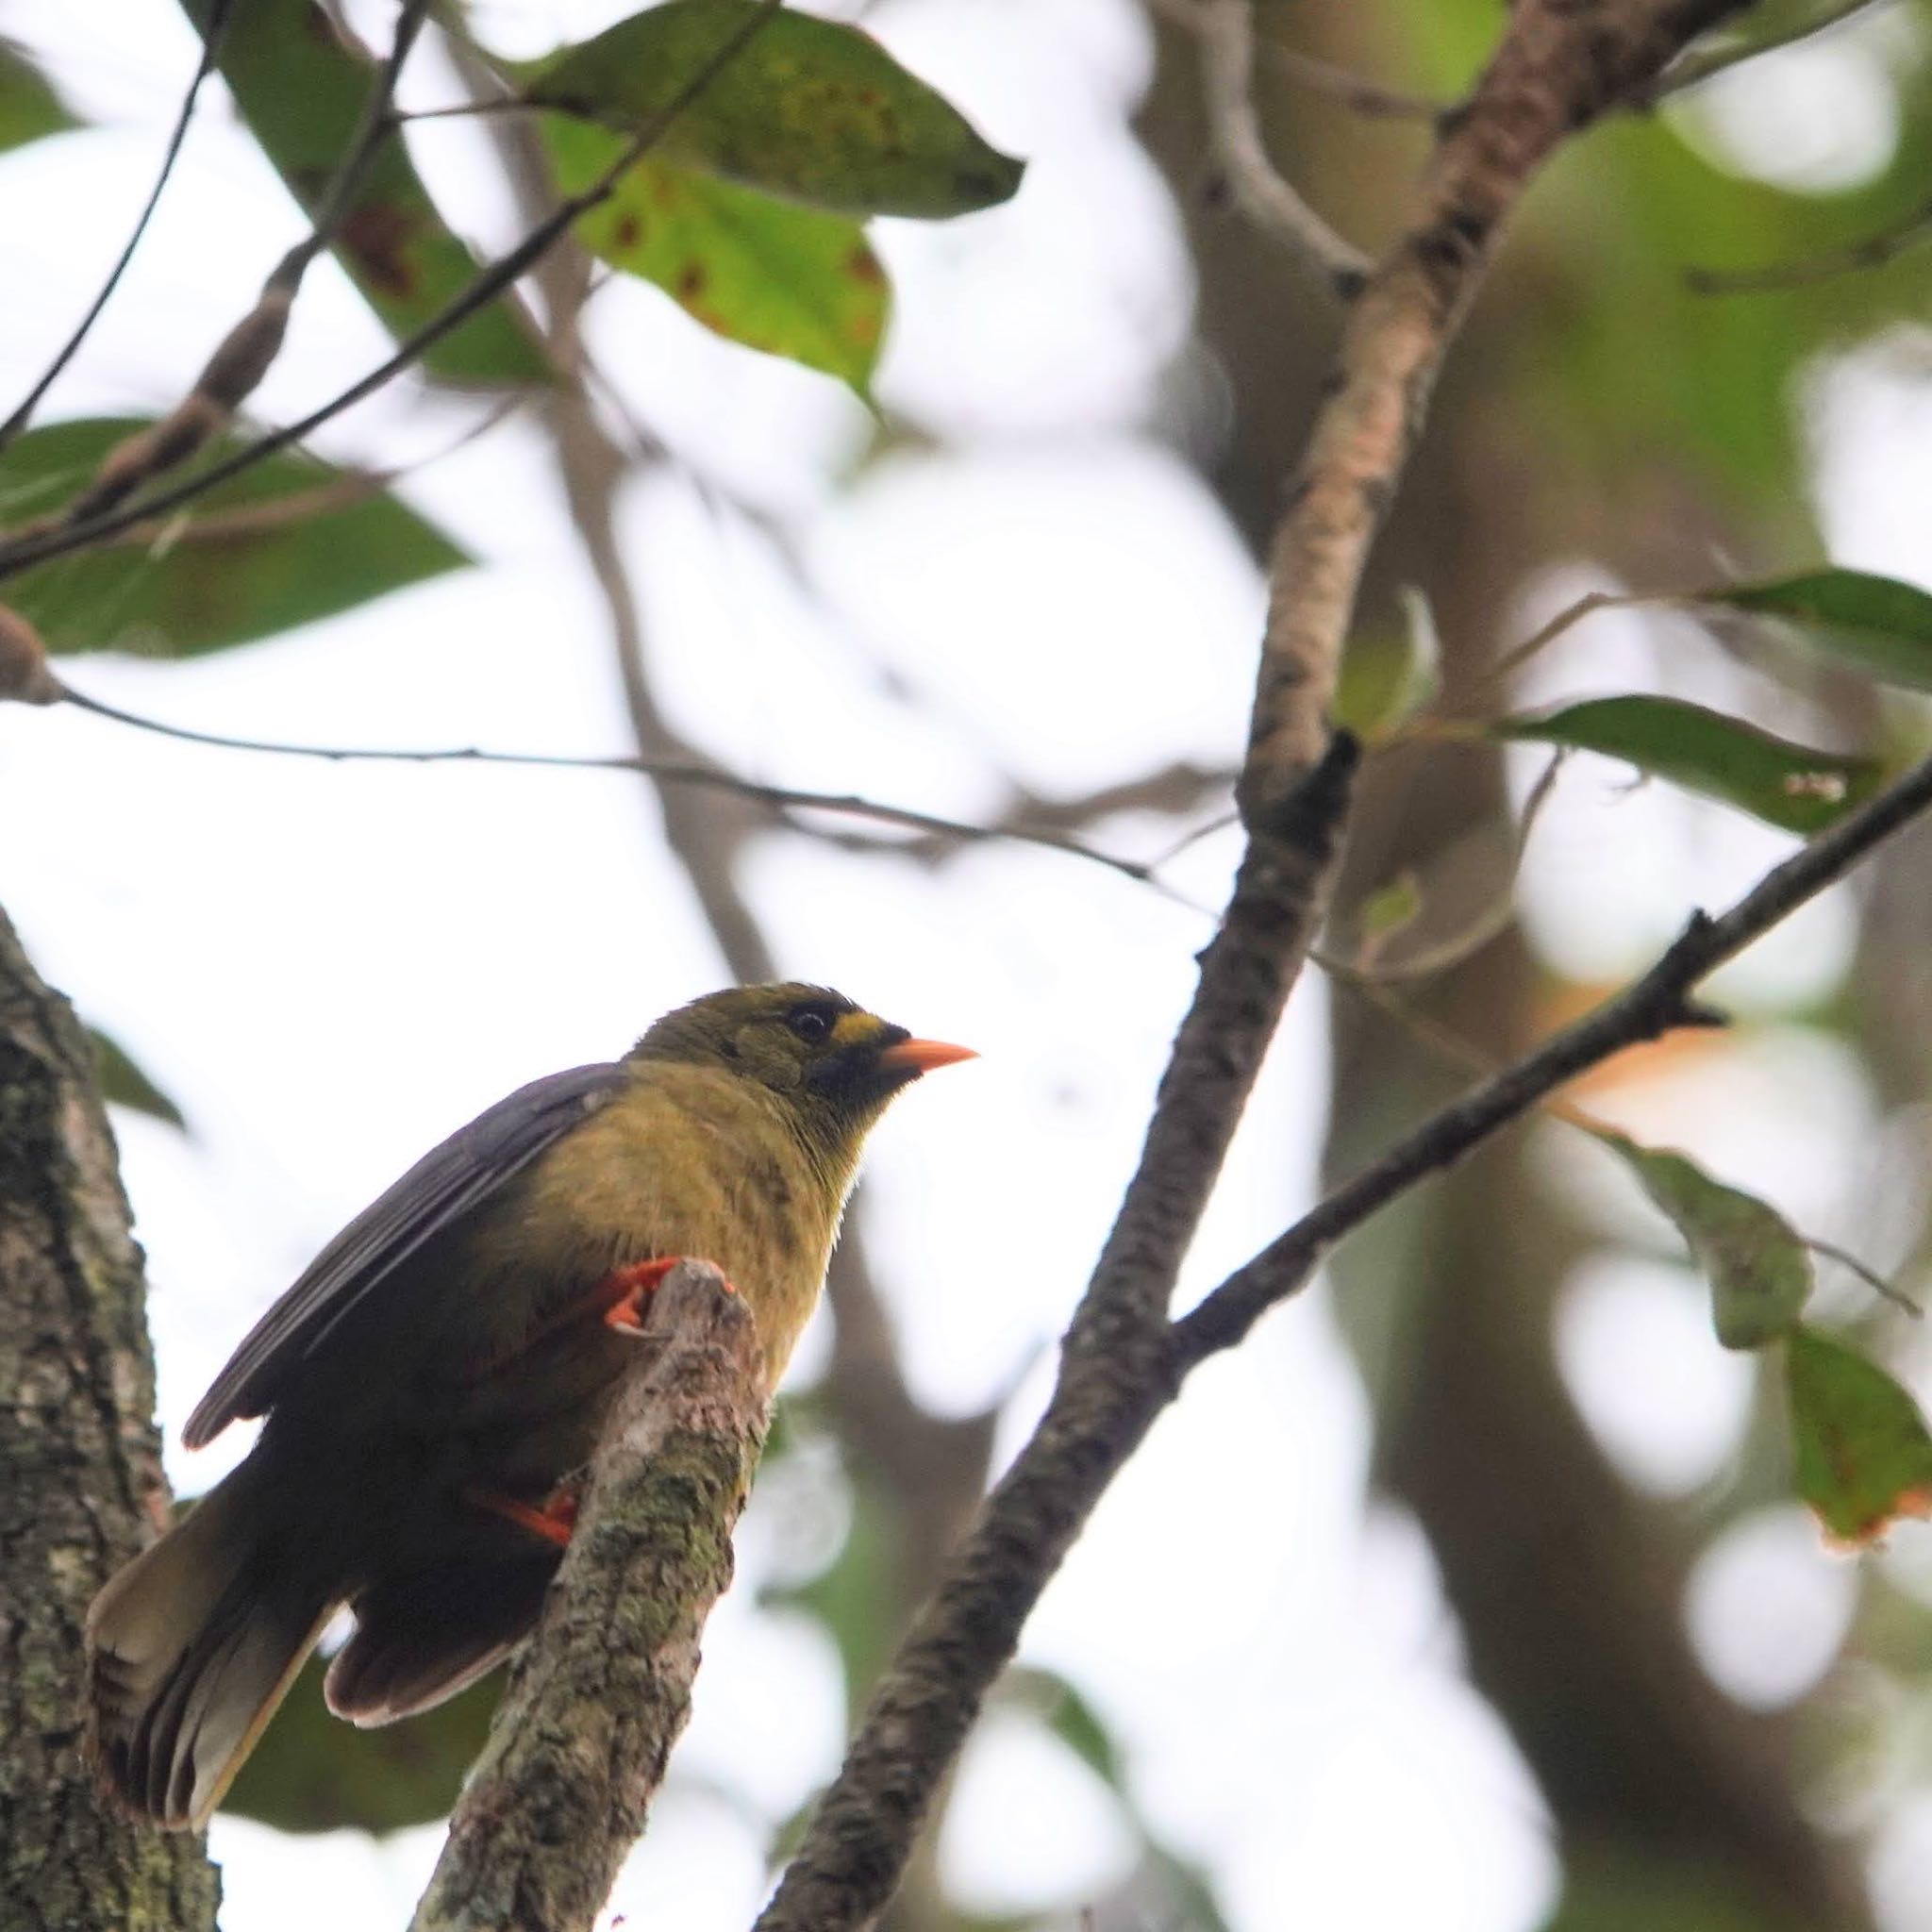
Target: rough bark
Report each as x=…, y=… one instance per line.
x=598, y=1696
x=80, y=1480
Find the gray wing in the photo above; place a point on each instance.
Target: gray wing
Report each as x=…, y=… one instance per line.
x=441, y=1187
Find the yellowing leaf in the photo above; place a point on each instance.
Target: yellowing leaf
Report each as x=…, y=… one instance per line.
x=792, y=281
x=1785, y=784
x=1864, y=1458
x=1758, y=1269
x=806, y=108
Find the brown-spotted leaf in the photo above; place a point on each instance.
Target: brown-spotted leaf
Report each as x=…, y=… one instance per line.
x=284, y=544
x=1863, y=1455
x=1759, y=1268
x=1787, y=785
x=807, y=109
x=301, y=90
x=789, y=280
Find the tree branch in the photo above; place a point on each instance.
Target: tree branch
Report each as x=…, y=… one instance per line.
x=1560, y=63
x=1225, y=32
x=1650, y=1006
x=687, y=770
x=210, y=53
x=596, y=1699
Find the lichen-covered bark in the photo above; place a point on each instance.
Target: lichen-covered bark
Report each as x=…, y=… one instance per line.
x=599, y=1695
x=80, y=1480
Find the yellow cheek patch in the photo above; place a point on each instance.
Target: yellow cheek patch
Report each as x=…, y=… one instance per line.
x=855, y=1029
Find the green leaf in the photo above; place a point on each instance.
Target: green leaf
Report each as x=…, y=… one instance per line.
x=808, y=109
x=1864, y=1458
x=789, y=281
x=1785, y=784
x=1758, y=1269
x=126, y=1085
x=1876, y=624
x=1387, y=677
x=1389, y=910
x=312, y=1772
x=301, y=91
x=339, y=545
x=30, y=107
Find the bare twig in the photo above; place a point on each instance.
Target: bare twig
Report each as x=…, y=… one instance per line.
x=689, y=771
x=1652, y=1004
x=210, y=53
x=596, y=1699
x=248, y=351
x=1873, y=251
x=1560, y=63
x=37, y=547
x=1868, y=1275
x=1226, y=32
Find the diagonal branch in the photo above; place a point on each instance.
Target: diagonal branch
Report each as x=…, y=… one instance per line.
x=579, y=1744
x=210, y=53
x=1559, y=64
x=1652, y=1004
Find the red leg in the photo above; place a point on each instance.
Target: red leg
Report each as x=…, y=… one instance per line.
x=553, y=1522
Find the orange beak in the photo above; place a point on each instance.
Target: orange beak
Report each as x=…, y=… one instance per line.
x=922, y=1055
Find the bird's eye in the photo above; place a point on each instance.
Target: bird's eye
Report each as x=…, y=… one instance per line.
x=810, y=1026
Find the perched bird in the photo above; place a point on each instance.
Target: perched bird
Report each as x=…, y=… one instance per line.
x=436, y=1379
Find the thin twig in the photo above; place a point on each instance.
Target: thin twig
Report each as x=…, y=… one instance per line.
x=210, y=51
x=1874, y=251
x=488, y=284
x=1224, y=31
x=1490, y=920
x=1654, y=1004
x=692, y=772
x=247, y=352
x=1869, y=1276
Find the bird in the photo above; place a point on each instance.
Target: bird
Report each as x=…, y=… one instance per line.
x=435, y=1380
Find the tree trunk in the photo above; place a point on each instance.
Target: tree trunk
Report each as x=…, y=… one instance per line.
x=80, y=1480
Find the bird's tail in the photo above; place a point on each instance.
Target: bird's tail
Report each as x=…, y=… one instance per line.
x=190, y=1650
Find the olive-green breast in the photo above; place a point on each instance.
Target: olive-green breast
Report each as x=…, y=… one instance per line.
x=685, y=1161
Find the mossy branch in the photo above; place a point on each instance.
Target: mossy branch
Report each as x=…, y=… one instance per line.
x=599, y=1694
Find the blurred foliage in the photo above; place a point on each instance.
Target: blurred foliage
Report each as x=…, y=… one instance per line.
x=285, y=542
x=30, y=107
x=1874, y=624
x=312, y=1772
x=301, y=90
x=126, y=1084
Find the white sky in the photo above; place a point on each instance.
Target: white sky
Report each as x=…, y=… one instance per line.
x=330, y=967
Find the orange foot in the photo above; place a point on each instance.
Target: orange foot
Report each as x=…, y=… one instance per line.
x=622, y=1294
x=553, y=1522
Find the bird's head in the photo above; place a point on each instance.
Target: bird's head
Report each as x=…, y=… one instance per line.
x=835, y=1064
